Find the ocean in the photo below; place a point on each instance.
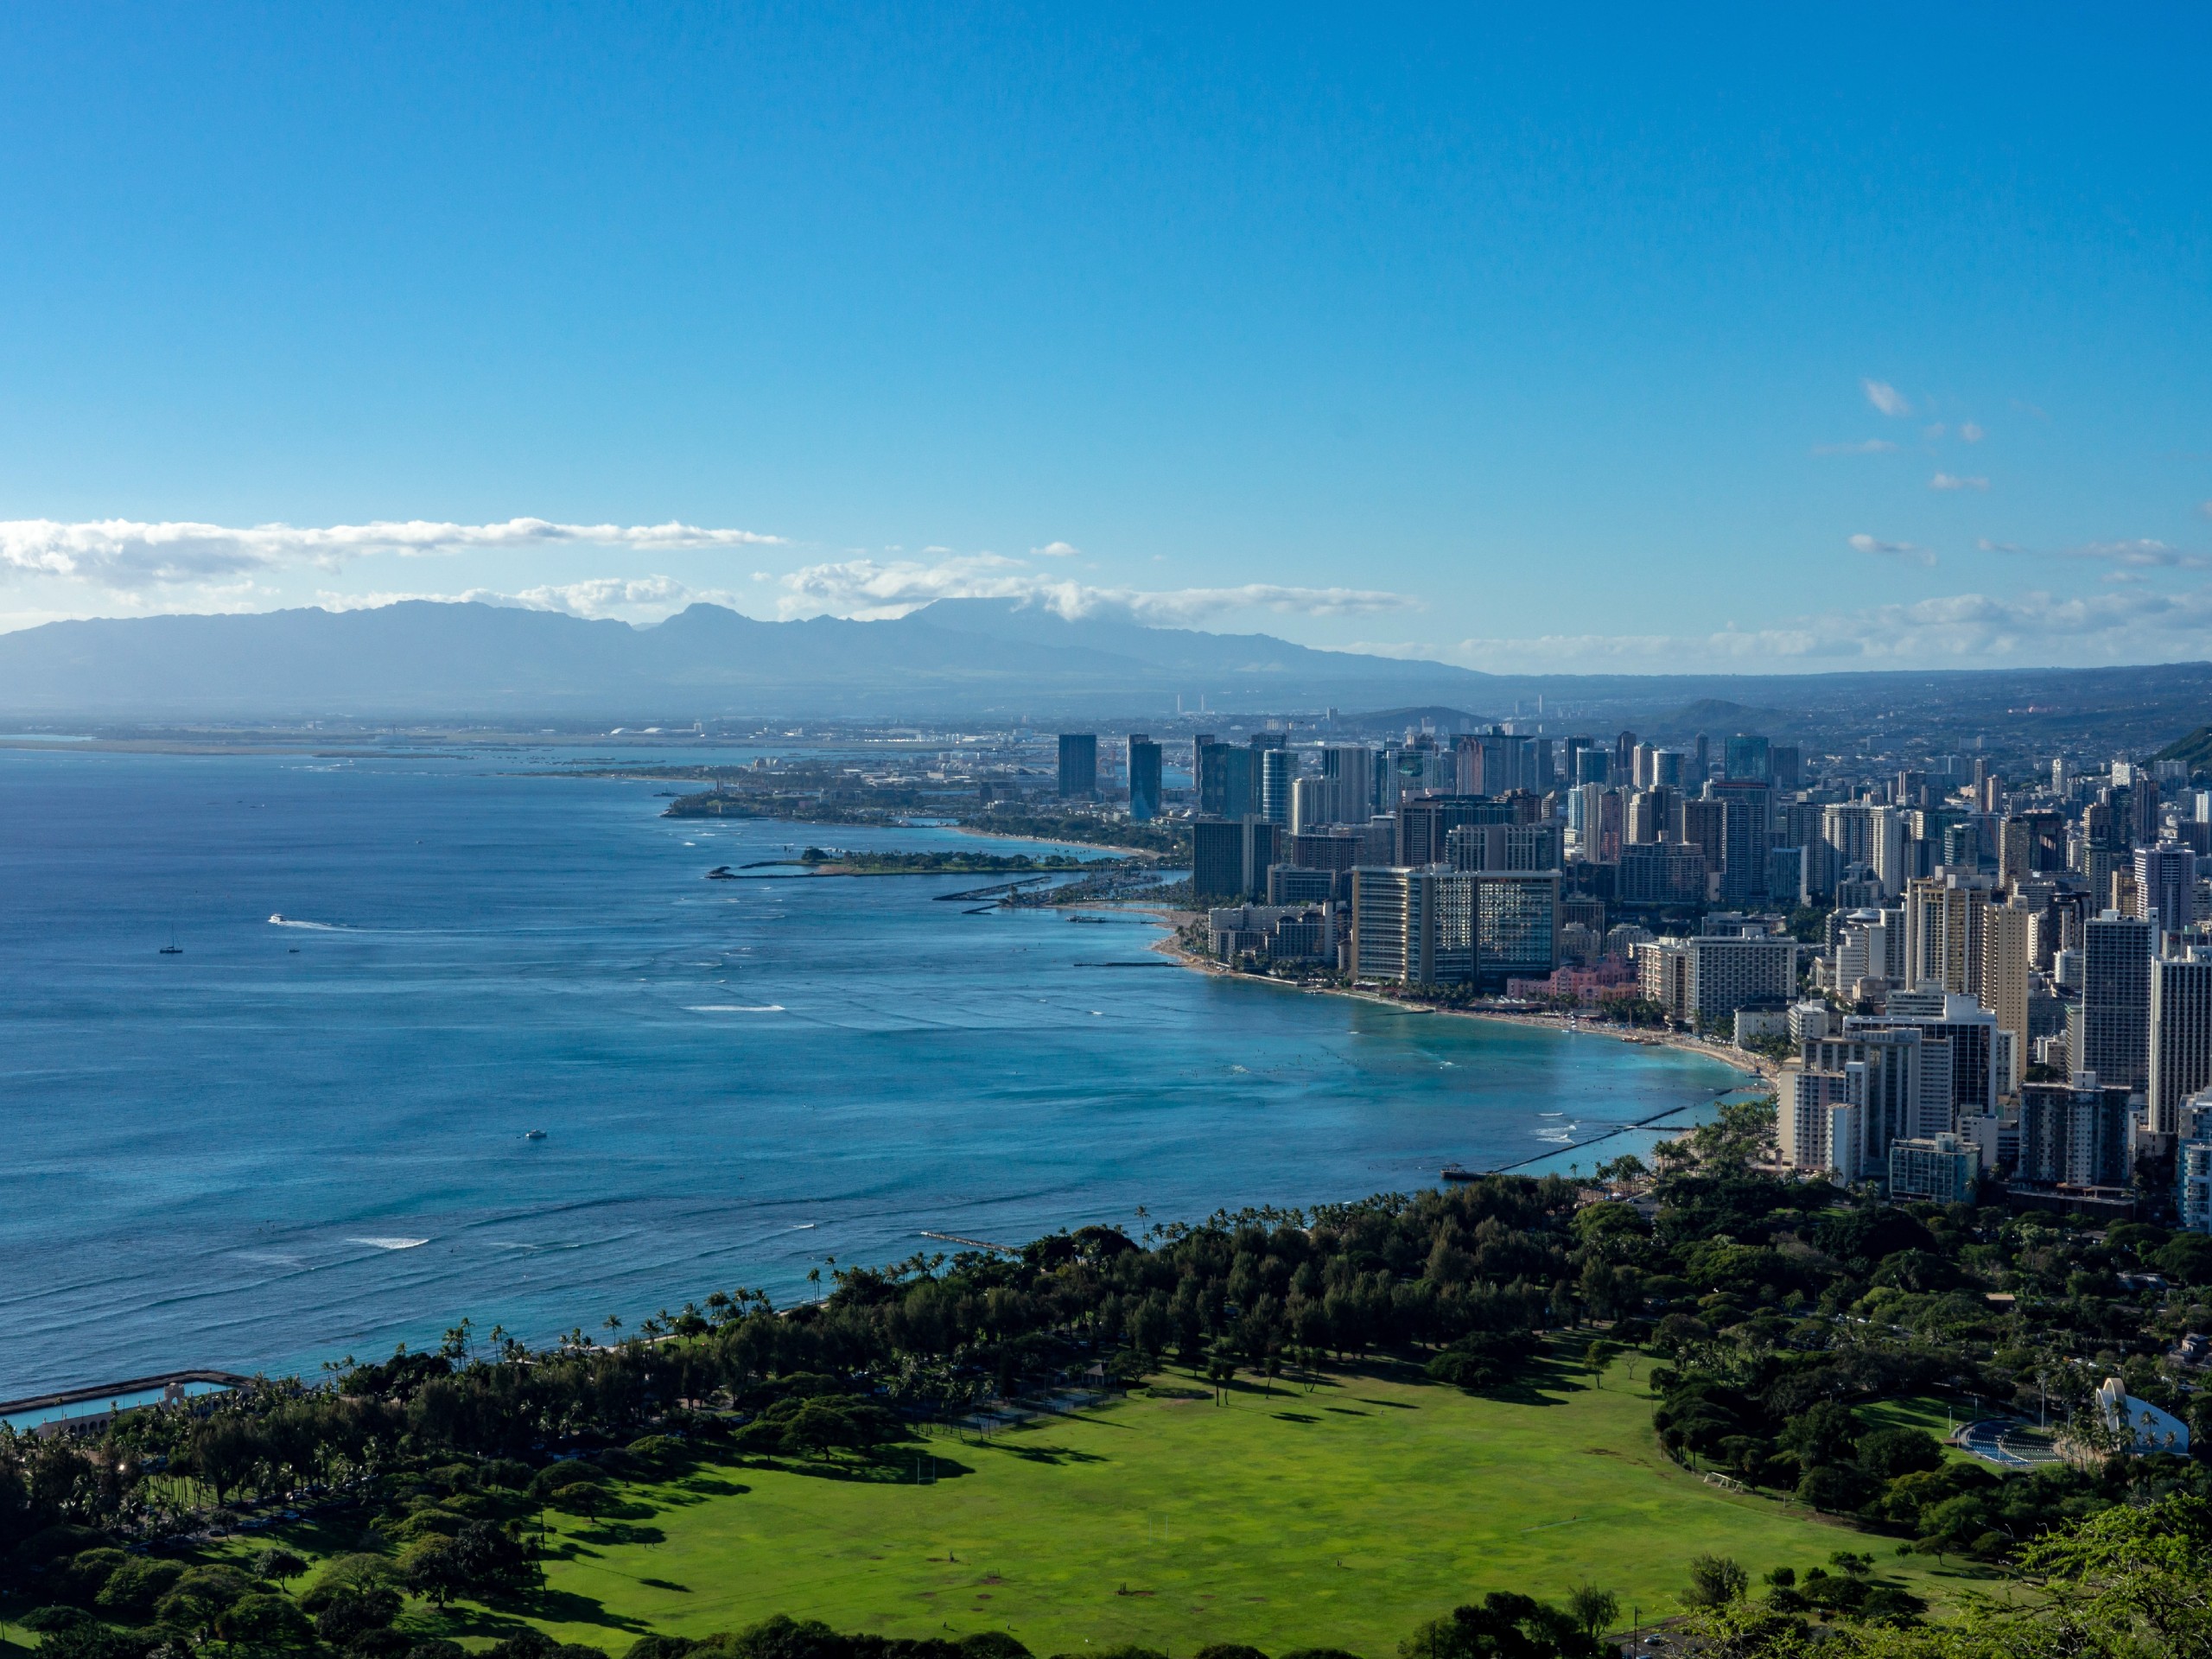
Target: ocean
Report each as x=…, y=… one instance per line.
x=299, y=1140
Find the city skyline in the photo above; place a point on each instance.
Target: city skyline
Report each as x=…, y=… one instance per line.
x=1612, y=345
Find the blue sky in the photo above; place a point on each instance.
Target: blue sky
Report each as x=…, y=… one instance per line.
x=1774, y=339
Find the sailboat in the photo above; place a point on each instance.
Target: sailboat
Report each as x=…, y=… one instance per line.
x=172, y=948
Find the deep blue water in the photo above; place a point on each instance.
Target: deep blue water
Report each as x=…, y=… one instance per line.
x=295, y=1142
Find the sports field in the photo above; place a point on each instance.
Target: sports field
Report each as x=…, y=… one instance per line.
x=1339, y=1518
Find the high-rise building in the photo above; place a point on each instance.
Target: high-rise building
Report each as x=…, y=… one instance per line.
x=2029, y=844
x=1078, y=763
x=1746, y=808
x=1846, y=837
x=1944, y=921
x=2165, y=886
x=1786, y=765
x=1278, y=771
x=1885, y=840
x=2180, y=1036
x=1661, y=872
x=1593, y=765
x=2142, y=810
x=2007, y=982
x=1224, y=779
x=1903, y=1079
x=1516, y=924
x=1503, y=846
x=1748, y=760
x=1230, y=858
x=1144, y=778
x=1651, y=815
x=2073, y=1133
x=1412, y=926
x=2115, y=1007
x=1218, y=860
x=1719, y=974
x=1425, y=821
x=1309, y=809
x=1348, y=769
x=1969, y=1033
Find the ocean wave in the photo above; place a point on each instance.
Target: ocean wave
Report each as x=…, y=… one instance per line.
x=390, y=1243
x=737, y=1008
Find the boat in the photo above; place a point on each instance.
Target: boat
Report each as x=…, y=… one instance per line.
x=276, y=917
x=533, y=1135
x=1459, y=1172
x=172, y=948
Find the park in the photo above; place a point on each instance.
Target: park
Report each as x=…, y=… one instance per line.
x=1335, y=1510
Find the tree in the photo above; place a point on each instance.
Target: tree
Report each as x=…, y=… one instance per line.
x=432, y=1571
x=1595, y=1357
x=1593, y=1609
x=277, y=1565
x=264, y=1623
x=1715, y=1581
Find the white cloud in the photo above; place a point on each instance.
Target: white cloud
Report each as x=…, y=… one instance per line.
x=1972, y=432
x=1865, y=447
x=122, y=554
x=2142, y=553
x=1055, y=550
x=868, y=587
x=1886, y=397
x=1865, y=543
x=2205, y=507
x=1947, y=482
x=1935, y=431
x=2131, y=625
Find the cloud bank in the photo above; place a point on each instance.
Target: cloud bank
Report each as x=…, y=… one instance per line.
x=123, y=553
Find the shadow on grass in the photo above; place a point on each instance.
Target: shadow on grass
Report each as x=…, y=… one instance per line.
x=667, y=1584
x=549, y=1606
x=620, y=1532
x=711, y=1486
x=1046, y=1454
x=897, y=1468
x=1300, y=1416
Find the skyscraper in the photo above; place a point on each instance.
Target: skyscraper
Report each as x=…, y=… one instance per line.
x=2115, y=1010
x=1078, y=763
x=1144, y=778
x=1745, y=817
x=1348, y=769
x=2180, y=1036
x=1747, y=761
x=1224, y=779
x=1278, y=771
x=2165, y=886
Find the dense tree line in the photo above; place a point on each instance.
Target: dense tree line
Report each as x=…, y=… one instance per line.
x=1783, y=1315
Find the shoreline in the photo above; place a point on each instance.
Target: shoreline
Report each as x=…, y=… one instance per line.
x=1735, y=1059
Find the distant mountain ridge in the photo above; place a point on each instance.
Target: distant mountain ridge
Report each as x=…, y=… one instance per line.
x=987, y=659
x=423, y=658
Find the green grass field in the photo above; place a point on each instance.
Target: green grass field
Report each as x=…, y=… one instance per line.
x=1341, y=1517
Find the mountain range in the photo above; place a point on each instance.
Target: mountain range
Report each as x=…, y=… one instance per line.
x=422, y=658
x=986, y=660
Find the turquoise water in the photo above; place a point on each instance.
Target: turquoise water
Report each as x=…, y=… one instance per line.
x=23, y=1421
x=300, y=1139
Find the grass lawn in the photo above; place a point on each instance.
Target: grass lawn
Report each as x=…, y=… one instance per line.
x=1337, y=1517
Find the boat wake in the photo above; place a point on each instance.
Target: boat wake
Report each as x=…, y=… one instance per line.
x=390, y=1243
x=737, y=1008
x=282, y=921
